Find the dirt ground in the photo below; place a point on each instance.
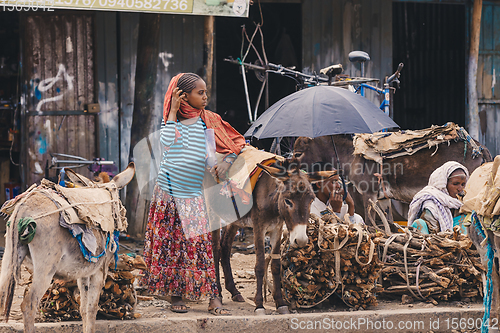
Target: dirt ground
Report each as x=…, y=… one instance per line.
x=242, y=261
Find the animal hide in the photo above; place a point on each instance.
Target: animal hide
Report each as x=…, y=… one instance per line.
x=245, y=167
x=108, y=217
x=380, y=145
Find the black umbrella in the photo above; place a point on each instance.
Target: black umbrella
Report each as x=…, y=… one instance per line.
x=318, y=111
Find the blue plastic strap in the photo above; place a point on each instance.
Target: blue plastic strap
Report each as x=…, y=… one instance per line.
x=116, y=235
x=489, y=283
x=86, y=253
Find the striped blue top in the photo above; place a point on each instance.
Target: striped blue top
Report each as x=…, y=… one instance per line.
x=183, y=163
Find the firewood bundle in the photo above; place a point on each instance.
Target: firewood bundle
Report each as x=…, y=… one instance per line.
x=339, y=258
x=118, y=298
x=61, y=302
x=430, y=267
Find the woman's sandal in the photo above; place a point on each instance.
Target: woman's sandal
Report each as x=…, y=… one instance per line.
x=178, y=308
x=219, y=311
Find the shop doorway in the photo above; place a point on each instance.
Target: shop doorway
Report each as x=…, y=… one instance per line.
x=430, y=40
x=282, y=31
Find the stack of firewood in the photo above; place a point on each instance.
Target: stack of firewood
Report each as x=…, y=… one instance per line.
x=61, y=302
x=118, y=298
x=339, y=258
x=430, y=267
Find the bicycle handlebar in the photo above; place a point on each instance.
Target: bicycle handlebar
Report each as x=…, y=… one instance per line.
x=279, y=69
x=396, y=74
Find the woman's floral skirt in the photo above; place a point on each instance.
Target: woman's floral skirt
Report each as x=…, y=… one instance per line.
x=178, y=248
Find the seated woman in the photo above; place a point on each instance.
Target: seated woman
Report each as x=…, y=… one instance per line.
x=329, y=196
x=431, y=209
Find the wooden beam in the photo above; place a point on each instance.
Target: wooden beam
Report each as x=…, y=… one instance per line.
x=145, y=83
x=208, y=46
x=472, y=78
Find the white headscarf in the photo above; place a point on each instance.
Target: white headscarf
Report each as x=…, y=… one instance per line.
x=435, y=196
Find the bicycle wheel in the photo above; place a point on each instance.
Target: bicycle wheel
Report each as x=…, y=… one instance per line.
x=283, y=146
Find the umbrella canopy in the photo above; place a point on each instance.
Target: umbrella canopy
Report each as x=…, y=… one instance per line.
x=318, y=111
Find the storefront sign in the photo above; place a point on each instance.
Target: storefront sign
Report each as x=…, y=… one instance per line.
x=193, y=7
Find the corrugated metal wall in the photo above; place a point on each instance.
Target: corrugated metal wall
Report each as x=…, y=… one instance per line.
x=129, y=30
x=488, y=76
x=333, y=28
x=181, y=49
x=58, y=77
x=108, y=85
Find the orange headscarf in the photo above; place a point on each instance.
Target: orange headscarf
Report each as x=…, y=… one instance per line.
x=227, y=139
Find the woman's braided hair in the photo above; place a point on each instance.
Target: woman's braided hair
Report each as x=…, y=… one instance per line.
x=187, y=82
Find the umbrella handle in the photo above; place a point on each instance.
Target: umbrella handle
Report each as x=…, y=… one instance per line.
x=344, y=187
x=338, y=165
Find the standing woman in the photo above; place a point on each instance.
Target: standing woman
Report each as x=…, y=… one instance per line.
x=178, y=242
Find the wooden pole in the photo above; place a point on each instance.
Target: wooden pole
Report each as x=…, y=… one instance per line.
x=209, y=60
x=142, y=118
x=472, y=78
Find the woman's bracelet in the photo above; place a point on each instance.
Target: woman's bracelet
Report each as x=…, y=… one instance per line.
x=233, y=155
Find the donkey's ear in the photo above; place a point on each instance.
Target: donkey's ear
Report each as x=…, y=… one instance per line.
x=280, y=174
x=124, y=177
x=321, y=176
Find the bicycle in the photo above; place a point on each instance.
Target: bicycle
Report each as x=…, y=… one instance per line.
x=389, y=86
x=330, y=76
x=95, y=166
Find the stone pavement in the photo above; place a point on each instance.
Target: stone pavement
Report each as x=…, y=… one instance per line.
x=399, y=319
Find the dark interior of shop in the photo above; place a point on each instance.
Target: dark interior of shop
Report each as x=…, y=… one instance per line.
x=283, y=45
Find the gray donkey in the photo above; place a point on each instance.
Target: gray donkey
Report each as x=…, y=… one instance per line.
x=54, y=252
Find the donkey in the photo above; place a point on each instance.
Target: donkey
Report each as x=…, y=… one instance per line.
x=308, y=151
x=401, y=177
x=54, y=252
x=280, y=196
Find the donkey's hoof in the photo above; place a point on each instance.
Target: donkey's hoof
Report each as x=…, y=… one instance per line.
x=238, y=298
x=260, y=312
x=283, y=309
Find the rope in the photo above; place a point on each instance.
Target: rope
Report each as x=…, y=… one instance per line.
x=465, y=150
x=489, y=283
x=386, y=246
x=417, y=277
x=359, y=229
x=477, y=150
x=410, y=236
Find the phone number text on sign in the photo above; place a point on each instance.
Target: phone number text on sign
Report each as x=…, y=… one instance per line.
x=164, y=6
